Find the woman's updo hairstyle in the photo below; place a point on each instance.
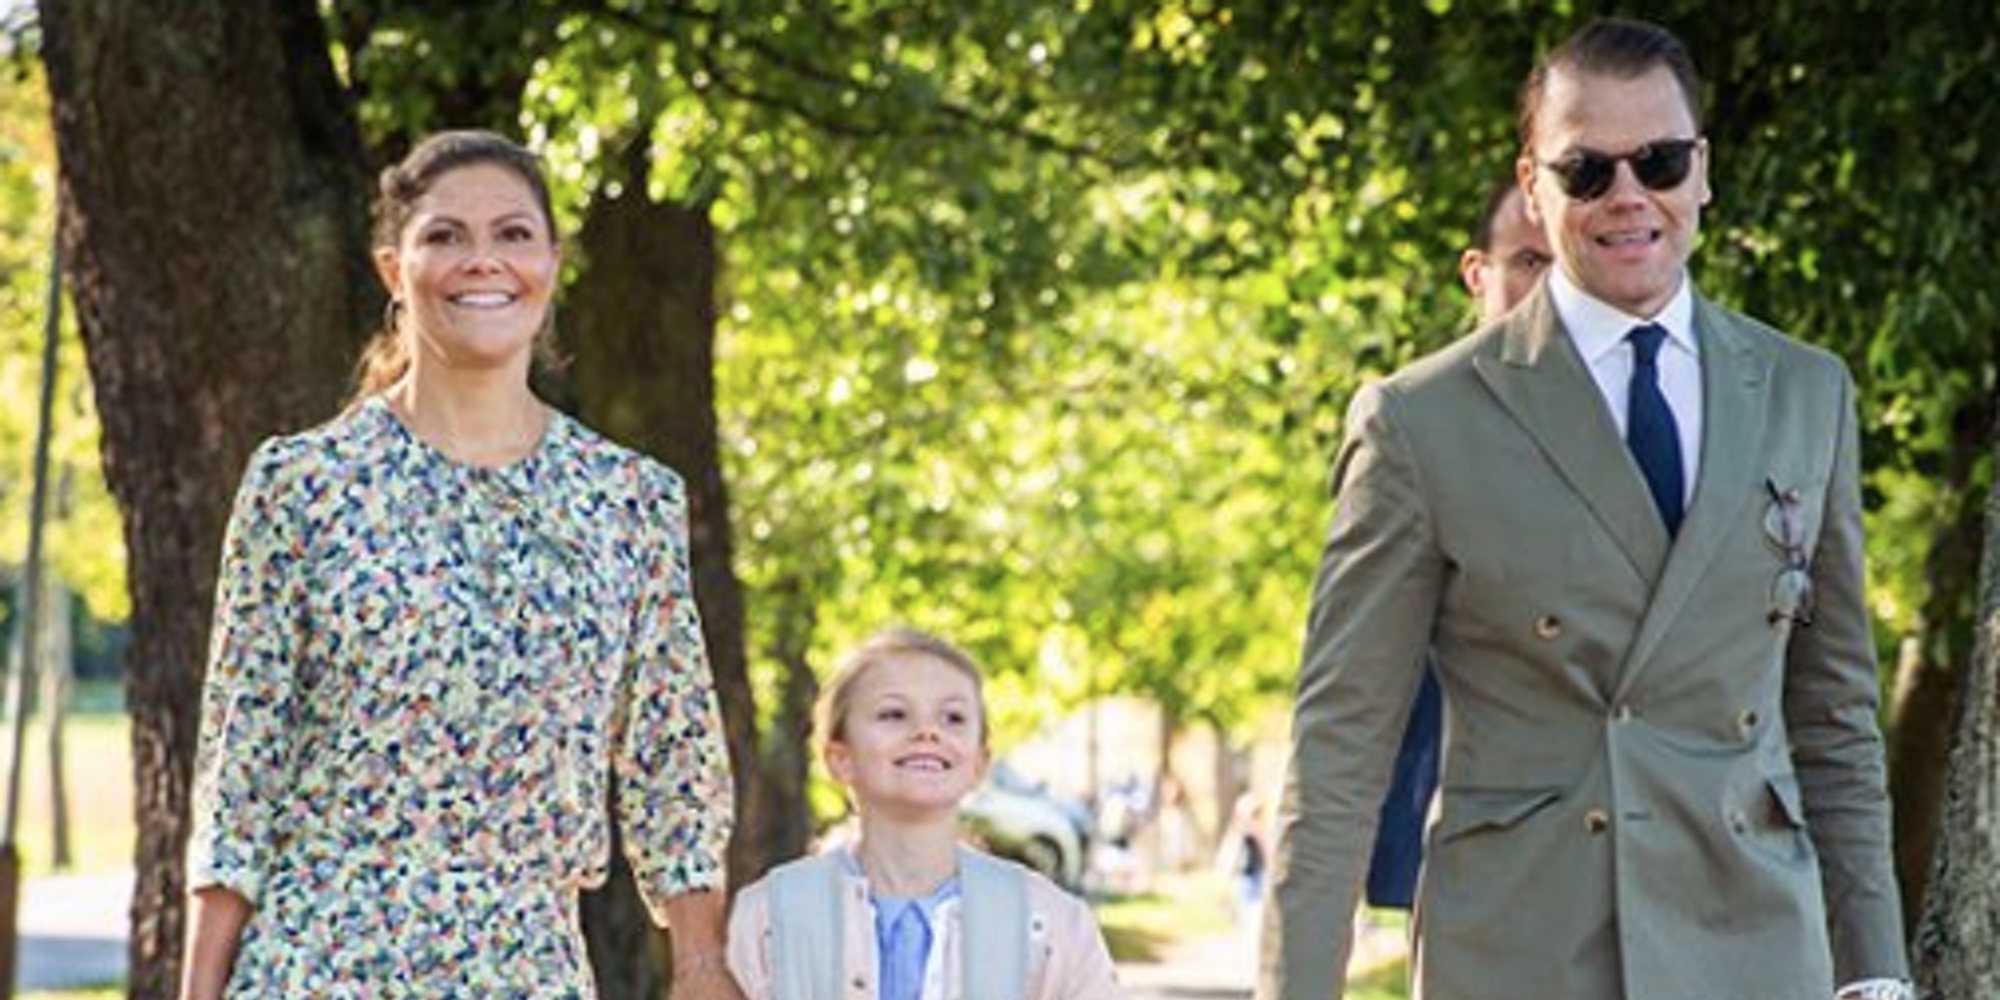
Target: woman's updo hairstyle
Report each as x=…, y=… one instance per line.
x=387, y=356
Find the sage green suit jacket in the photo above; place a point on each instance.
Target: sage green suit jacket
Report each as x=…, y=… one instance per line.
x=1651, y=789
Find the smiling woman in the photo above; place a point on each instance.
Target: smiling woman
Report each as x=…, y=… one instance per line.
x=465, y=247
x=444, y=619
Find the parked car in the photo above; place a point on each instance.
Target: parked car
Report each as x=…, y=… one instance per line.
x=1021, y=820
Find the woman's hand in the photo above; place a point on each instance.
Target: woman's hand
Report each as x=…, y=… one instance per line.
x=698, y=920
x=704, y=977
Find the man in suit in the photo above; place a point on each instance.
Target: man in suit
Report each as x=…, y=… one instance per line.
x=1508, y=256
x=1629, y=522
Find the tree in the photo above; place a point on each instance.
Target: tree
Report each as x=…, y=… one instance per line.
x=1957, y=947
x=1028, y=323
x=84, y=548
x=214, y=235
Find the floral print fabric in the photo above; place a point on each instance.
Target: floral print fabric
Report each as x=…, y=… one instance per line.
x=423, y=675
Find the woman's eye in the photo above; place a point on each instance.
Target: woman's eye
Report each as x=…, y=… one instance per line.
x=440, y=237
x=517, y=234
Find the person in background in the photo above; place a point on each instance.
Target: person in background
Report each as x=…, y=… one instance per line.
x=1508, y=256
x=1628, y=522
x=1243, y=856
x=444, y=619
x=908, y=911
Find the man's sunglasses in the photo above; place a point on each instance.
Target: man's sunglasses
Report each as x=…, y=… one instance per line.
x=1586, y=174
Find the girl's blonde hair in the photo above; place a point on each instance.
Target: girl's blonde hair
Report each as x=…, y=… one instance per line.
x=837, y=698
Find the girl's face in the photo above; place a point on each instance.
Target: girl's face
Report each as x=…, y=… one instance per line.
x=912, y=743
x=475, y=267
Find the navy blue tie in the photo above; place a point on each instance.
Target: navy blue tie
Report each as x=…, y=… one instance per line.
x=1650, y=430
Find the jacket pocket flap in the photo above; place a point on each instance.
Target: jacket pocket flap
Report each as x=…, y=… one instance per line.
x=1785, y=792
x=1469, y=811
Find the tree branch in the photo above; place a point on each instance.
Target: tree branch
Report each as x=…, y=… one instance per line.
x=958, y=117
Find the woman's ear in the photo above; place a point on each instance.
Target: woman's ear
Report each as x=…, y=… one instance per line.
x=388, y=268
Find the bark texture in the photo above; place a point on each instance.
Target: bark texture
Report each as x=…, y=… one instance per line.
x=641, y=325
x=1931, y=663
x=1957, y=949
x=213, y=219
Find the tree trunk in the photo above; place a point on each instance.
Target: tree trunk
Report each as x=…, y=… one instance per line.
x=55, y=662
x=1929, y=667
x=784, y=817
x=1174, y=830
x=1957, y=947
x=642, y=325
x=213, y=216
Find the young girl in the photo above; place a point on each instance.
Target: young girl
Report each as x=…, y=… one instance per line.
x=908, y=912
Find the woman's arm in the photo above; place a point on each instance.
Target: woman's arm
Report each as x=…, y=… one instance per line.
x=215, y=924
x=249, y=706
x=674, y=801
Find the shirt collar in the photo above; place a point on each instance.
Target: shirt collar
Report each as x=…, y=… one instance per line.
x=1596, y=327
x=894, y=905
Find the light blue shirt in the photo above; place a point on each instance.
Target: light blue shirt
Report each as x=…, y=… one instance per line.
x=904, y=934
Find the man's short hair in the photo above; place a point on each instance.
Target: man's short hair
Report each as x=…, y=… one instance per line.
x=1489, y=213
x=1612, y=46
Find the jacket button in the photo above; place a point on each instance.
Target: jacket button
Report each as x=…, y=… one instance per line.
x=1548, y=626
x=1622, y=713
x=1737, y=822
x=1596, y=821
x=1747, y=721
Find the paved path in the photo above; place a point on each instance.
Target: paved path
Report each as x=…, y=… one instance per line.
x=1223, y=968
x=1210, y=969
x=73, y=934
x=73, y=931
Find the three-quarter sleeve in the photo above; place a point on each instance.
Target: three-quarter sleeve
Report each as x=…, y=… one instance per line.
x=675, y=806
x=242, y=764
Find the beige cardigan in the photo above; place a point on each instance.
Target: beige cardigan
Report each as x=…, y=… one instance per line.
x=1067, y=959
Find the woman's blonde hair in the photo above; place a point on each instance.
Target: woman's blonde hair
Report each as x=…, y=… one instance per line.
x=837, y=698
x=387, y=356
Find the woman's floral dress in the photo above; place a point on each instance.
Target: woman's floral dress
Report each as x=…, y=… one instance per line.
x=422, y=676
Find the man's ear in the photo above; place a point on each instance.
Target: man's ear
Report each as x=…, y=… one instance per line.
x=1527, y=176
x=1701, y=164
x=1472, y=271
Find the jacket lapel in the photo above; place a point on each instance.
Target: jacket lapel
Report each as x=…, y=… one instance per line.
x=1736, y=388
x=1542, y=383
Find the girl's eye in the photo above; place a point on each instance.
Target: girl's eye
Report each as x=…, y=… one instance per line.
x=889, y=714
x=956, y=718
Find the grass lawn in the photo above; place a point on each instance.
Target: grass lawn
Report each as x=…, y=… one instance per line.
x=1141, y=927
x=98, y=763
x=90, y=993
x=1390, y=982
x=1144, y=927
